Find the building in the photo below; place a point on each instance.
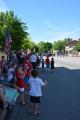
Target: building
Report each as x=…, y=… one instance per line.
x=70, y=48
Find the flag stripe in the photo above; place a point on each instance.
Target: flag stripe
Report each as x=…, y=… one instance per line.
x=8, y=41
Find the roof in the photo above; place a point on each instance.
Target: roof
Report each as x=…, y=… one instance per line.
x=72, y=43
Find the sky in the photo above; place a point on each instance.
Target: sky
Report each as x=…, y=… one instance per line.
x=47, y=20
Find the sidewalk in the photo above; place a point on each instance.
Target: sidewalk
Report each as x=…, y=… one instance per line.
x=69, y=61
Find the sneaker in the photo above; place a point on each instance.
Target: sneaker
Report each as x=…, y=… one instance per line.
x=35, y=113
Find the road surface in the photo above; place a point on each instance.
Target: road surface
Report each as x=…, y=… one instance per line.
x=61, y=98
x=68, y=62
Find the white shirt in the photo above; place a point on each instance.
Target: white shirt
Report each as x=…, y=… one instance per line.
x=10, y=74
x=33, y=58
x=35, y=86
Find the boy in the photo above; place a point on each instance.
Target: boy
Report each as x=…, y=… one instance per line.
x=52, y=64
x=35, y=84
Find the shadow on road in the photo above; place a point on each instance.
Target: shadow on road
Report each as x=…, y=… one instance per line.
x=61, y=97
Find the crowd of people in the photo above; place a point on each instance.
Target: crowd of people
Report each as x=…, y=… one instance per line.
x=21, y=73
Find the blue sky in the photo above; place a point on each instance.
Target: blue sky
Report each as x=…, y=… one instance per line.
x=47, y=20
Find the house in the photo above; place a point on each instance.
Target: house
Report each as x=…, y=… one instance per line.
x=70, y=48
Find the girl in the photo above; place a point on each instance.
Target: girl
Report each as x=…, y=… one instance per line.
x=20, y=83
x=47, y=62
x=27, y=69
x=35, y=84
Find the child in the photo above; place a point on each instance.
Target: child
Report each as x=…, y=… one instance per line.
x=52, y=64
x=3, y=65
x=11, y=77
x=42, y=64
x=5, y=100
x=27, y=66
x=47, y=62
x=35, y=84
x=2, y=98
x=20, y=83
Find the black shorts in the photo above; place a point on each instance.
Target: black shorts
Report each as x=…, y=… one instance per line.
x=1, y=104
x=34, y=65
x=35, y=99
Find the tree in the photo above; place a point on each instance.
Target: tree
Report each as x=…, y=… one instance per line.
x=59, y=45
x=29, y=44
x=48, y=47
x=45, y=47
x=35, y=47
x=17, y=29
x=67, y=40
x=78, y=47
x=41, y=46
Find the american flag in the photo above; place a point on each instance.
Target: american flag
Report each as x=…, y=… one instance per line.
x=8, y=41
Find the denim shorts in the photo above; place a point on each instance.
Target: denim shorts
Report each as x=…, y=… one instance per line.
x=26, y=79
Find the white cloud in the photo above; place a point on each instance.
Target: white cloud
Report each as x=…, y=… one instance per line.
x=62, y=35
x=3, y=6
x=68, y=31
x=59, y=36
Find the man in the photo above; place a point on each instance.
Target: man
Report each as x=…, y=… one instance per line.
x=33, y=60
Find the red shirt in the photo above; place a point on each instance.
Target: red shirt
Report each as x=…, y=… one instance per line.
x=20, y=82
x=27, y=57
x=27, y=67
x=47, y=61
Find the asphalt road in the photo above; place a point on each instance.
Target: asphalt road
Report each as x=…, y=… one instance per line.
x=61, y=97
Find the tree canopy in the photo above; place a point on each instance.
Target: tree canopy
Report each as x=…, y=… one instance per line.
x=78, y=47
x=18, y=29
x=44, y=46
x=59, y=45
x=20, y=36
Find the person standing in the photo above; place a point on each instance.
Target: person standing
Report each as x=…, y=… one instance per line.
x=3, y=65
x=52, y=64
x=47, y=62
x=38, y=61
x=35, y=84
x=20, y=83
x=42, y=64
x=20, y=57
x=27, y=66
x=33, y=60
